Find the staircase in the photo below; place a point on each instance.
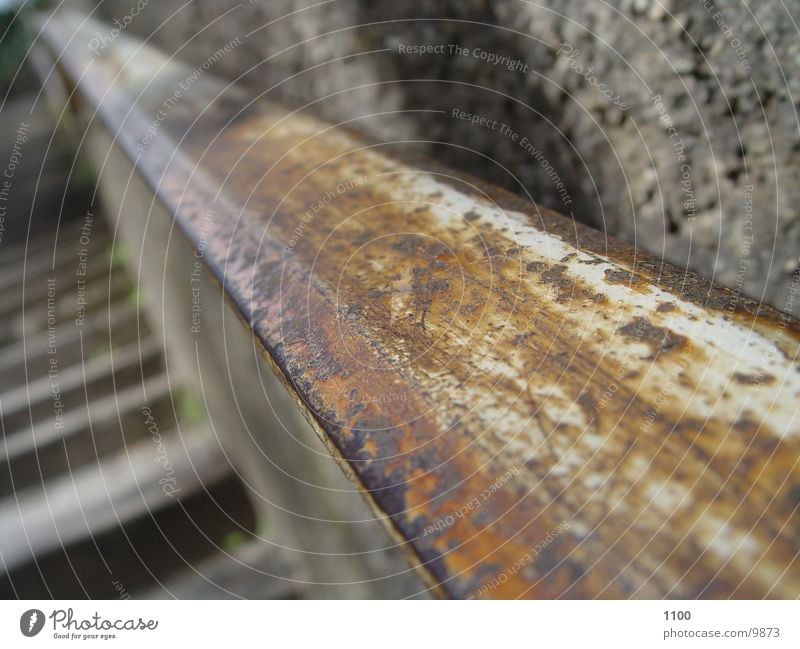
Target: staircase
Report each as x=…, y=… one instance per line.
x=111, y=482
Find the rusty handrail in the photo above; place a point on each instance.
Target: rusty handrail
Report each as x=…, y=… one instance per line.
x=540, y=410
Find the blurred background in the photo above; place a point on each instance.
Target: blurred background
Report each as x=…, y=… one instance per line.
x=728, y=73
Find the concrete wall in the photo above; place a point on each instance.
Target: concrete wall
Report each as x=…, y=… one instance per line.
x=584, y=93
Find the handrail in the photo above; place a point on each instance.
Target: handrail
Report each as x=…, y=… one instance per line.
x=540, y=410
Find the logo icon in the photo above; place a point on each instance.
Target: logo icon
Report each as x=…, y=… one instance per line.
x=31, y=622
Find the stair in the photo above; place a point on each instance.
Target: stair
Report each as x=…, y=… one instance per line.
x=102, y=483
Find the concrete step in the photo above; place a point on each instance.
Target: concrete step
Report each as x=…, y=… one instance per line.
x=35, y=288
x=13, y=254
x=137, y=556
x=42, y=398
x=99, y=294
x=56, y=256
x=30, y=357
x=129, y=484
x=29, y=456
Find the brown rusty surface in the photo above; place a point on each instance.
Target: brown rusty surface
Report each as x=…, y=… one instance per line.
x=540, y=410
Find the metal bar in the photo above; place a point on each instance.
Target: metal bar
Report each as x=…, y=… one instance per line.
x=537, y=409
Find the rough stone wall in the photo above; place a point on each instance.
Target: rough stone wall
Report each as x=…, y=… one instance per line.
x=672, y=176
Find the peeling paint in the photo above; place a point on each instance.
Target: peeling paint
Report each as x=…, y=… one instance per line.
x=638, y=404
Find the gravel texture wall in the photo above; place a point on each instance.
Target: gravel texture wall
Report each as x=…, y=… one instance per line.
x=669, y=123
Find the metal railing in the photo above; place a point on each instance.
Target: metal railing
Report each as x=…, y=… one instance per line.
x=531, y=407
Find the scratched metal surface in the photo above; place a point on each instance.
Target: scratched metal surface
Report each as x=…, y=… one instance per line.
x=540, y=411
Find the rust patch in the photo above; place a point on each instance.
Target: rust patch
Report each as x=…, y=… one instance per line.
x=660, y=339
x=619, y=276
x=753, y=379
x=504, y=393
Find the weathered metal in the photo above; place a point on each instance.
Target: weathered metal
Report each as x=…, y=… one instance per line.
x=540, y=410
